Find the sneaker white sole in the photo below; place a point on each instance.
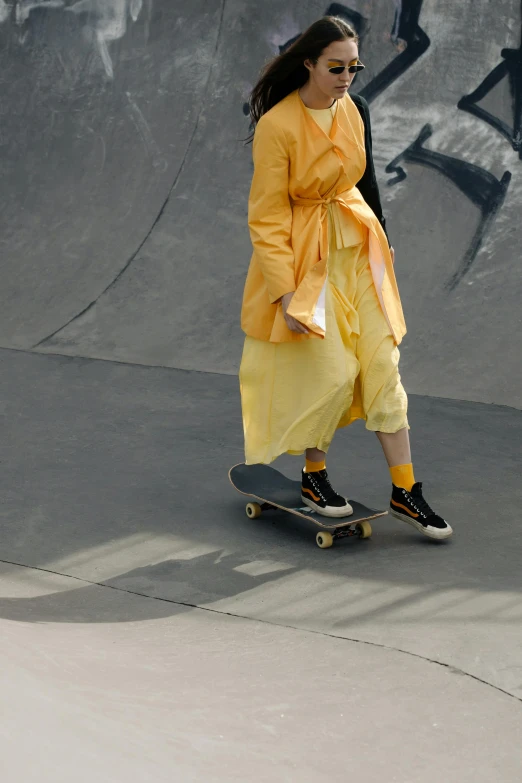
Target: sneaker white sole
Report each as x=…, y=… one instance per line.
x=334, y=513
x=431, y=532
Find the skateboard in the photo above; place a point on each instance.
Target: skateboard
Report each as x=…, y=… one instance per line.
x=274, y=491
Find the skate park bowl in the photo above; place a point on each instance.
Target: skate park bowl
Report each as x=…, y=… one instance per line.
x=138, y=603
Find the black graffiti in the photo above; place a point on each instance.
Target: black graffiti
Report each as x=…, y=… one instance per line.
x=482, y=188
x=405, y=28
x=511, y=68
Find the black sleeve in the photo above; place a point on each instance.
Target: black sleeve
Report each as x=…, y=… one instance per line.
x=368, y=182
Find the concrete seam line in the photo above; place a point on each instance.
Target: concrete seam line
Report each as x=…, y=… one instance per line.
x=72, y=357
x=272, y=623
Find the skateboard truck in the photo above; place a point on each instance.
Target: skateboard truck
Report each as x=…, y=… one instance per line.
x=324, y=539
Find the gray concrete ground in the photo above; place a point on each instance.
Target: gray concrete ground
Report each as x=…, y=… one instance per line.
x=150, y=631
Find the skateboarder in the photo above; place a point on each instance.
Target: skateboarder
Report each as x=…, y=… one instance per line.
x=321, y=308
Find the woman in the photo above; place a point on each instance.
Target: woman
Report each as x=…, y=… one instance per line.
x=321, y=308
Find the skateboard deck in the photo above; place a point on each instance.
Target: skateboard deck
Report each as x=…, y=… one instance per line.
x=273, y=491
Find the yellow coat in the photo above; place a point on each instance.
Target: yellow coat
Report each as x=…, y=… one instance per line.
x=299, y=171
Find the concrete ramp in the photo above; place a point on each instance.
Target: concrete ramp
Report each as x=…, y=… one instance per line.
x=125, y=181
x=100, y=103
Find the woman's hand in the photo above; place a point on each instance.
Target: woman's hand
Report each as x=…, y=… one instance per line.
x=392, y=251
x=293, y=325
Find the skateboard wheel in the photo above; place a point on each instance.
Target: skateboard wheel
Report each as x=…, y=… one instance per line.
x=324, y=540
x=253, y=510
x=364, y=529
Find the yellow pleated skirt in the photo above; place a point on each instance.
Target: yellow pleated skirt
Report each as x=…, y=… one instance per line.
x=295, y=395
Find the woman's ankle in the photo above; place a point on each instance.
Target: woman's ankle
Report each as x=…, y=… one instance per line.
x=315, y=460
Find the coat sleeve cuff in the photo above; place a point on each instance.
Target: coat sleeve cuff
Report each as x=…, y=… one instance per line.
x=276, y=294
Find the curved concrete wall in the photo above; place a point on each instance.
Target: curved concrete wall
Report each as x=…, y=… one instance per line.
x=125, y=181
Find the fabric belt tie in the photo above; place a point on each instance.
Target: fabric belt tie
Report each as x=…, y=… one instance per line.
x=351, y=201
x=343, y=200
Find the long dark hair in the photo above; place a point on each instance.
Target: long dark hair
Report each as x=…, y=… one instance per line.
x=287, y=72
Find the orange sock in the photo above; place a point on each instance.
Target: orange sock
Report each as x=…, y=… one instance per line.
x=314, y=467
x=402, y=476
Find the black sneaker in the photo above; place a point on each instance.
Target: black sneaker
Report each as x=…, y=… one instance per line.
x=412, y=508
x=318, y=494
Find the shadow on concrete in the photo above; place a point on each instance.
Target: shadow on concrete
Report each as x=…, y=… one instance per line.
x=114, y=473
x=179, y=585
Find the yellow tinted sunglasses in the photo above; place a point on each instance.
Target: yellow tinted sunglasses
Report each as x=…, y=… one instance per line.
x=353, y=67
